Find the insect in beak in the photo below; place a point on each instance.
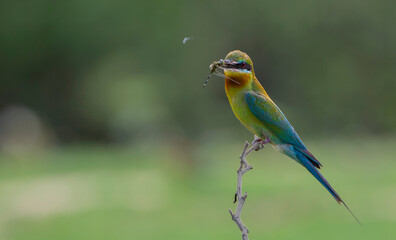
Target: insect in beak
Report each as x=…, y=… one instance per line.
x=222, y=64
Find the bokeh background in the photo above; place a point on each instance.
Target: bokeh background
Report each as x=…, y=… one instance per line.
x=107, y=133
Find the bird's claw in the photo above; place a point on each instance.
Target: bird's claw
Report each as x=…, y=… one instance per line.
x=261, y=142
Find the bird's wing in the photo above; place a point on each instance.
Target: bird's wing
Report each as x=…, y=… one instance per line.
x=272, y=117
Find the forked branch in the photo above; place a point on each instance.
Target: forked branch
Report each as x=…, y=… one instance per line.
x=257, y=144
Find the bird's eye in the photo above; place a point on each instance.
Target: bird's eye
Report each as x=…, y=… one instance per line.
x=244, y=65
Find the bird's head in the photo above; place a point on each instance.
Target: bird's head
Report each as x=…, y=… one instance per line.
x=238, y=66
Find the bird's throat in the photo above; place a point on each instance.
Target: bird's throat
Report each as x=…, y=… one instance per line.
x=237, y=80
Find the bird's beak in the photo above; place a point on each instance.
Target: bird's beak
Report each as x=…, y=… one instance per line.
x=227, y=64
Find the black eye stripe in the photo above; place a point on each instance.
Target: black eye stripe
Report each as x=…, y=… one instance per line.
x=244, y=65
x=238, y=65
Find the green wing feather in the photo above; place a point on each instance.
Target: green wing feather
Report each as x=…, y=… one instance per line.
x=272, y=117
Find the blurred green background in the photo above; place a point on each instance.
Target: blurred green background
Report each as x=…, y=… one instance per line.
x=107, y=133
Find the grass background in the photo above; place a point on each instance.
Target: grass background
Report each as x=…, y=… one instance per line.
x=102, y=192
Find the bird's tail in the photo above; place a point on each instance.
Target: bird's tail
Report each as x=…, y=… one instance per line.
x=308, y=161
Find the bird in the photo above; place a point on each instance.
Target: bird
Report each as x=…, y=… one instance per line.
x=254, y=108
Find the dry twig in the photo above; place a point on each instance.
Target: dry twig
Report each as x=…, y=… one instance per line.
x=257, y=144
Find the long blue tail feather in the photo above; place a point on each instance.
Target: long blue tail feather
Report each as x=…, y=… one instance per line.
x=307, y=163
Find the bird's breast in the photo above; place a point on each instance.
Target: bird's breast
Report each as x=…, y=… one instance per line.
x=242, y=111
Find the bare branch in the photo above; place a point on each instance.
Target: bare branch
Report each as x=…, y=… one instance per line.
x=257, y=144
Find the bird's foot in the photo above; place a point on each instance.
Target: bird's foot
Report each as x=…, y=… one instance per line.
x=261, y=143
